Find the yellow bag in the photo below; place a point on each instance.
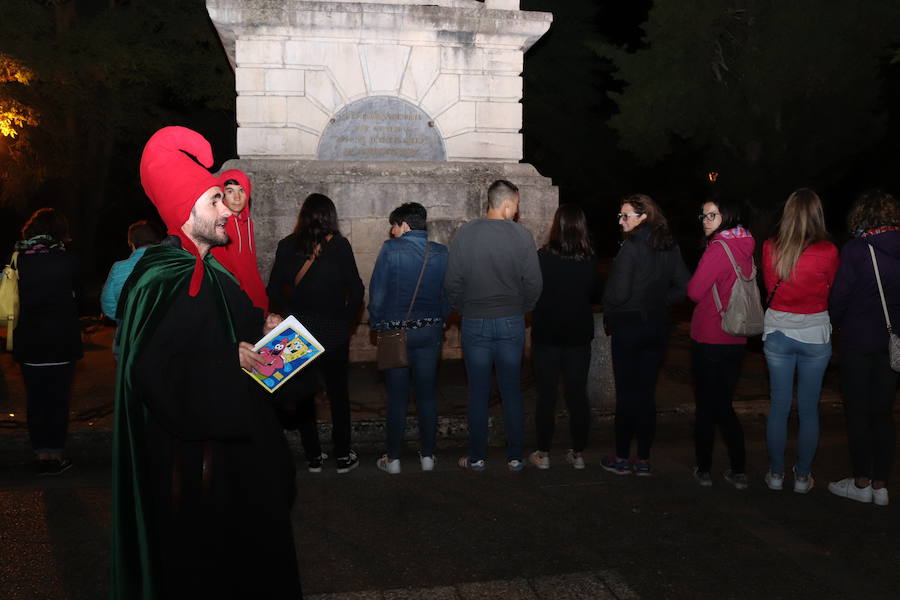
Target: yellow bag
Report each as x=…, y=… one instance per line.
x=9, y=299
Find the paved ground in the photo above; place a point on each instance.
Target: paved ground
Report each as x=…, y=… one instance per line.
x=556, y=534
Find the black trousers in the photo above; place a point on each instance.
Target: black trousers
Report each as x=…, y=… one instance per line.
x=47, y=389
x=573, y=362
x=716, y=368
x=869, y=387
x=637, y=353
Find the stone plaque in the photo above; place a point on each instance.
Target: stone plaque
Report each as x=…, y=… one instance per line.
x=381, y=128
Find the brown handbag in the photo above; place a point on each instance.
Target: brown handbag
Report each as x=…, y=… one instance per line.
x=391, y=353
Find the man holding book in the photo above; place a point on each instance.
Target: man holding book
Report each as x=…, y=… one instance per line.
x=203, y=479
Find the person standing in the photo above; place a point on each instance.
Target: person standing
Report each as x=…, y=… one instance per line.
x=48, y=334
x=407, y=291
x=239, y=254
x=314, y=277
x=203, y=479
x=493, y=279
x=799, y=265
x=868, y=383
x=562, y=328
x=141, y=235
x=647, y=275
x=715, y=355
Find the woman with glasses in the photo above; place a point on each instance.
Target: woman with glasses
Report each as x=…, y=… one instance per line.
x=647, y=275
x=868, y=383
x=799, y=265
x=716, y=355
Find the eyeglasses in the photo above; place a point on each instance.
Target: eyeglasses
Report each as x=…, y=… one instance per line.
x=710, y=216
x=621, y=216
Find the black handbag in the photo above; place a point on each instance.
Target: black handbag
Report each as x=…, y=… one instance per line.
x=391, y=353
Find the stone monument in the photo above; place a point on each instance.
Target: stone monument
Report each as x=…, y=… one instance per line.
x=378, y=103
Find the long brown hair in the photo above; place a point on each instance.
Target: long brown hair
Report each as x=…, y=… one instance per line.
x=802, y=224
x=660, y=237
x=316, y=221
x=569, y=237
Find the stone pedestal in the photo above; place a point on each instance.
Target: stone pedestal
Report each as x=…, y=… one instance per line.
x=601, y=382
x=365, y=193
x=378, y=103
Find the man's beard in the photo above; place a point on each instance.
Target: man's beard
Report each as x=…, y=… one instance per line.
x=205, y=231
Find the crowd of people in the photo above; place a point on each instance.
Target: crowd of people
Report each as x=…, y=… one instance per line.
x=195, y=440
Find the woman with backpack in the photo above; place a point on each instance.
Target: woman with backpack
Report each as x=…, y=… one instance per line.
x=799, y=265
x=647, y=275
x=716, y=355
x=868, y=383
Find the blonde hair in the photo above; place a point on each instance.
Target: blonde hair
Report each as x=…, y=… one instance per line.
x=802, y=224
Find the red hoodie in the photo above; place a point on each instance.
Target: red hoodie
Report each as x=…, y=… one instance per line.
x=807, y=291
x=715, y=268
x=239, y=255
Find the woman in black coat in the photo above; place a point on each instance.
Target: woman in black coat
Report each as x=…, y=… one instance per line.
x=47, y=339
x=315, y=278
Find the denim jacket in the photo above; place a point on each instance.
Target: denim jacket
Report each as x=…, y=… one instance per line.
x=394, y=280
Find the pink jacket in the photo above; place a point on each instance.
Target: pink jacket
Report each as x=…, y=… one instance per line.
x=715, y=268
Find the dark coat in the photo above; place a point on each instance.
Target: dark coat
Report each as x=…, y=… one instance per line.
x=48, y=330
x=563, y=314
x=854, y=303
x=203, y=474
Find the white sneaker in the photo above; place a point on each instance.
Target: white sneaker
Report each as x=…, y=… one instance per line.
x=846, y=488
x=427, y=462
x=802, y=485
x=387, y=465
x=575, y=459
x=880, y=496
x=539, y=459
x=775, y=481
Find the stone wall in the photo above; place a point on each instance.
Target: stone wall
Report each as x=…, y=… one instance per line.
x=297, y=64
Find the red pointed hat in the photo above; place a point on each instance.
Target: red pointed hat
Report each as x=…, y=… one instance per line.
x=174, y=182
x=238, y=176
x=171, y=179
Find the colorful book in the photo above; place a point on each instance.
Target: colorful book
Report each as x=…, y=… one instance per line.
x=288, y=349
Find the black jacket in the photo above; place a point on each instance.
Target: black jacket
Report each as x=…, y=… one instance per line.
x=643, y=281
x=563, y=315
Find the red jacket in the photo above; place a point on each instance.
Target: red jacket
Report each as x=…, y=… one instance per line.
x=239, y=255
x=715, y=268
x=807, y=290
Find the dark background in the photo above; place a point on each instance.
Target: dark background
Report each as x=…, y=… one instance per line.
x=620, y=96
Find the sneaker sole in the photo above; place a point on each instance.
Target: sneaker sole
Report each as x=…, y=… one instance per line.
x=347, y=469
x=615, y=471
x=314, y=469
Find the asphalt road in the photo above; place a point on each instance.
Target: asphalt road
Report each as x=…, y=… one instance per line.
x=554, y=534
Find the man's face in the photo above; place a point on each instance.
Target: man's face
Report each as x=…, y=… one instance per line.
x=206, y=225
x=235, y=198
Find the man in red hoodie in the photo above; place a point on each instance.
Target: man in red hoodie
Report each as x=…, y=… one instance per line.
x=239, y=255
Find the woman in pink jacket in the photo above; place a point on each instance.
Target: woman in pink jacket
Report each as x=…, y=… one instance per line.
x=716, y=355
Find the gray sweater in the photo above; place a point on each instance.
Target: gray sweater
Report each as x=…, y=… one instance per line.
x=493, y=270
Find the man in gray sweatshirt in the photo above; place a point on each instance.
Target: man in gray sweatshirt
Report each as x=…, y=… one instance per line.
x=493, y=278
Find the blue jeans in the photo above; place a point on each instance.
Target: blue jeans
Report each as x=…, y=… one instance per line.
x=785, y=356
x=423, y=350
x=495, y=343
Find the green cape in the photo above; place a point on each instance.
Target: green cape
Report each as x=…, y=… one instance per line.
x=162, y=275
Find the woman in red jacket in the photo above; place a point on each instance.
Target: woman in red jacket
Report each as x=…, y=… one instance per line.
x=715, y=355
x=799, y=265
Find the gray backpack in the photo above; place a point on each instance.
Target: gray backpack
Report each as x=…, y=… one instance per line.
x=744, y=315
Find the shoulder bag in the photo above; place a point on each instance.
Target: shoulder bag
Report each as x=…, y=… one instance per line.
x=391, y=352
x=894, y=343
x=744, y=315
x=9, y=299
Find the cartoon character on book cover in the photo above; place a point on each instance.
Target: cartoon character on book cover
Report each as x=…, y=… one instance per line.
x=286, y=353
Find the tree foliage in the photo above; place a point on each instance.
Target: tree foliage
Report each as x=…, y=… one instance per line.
x=767, y=92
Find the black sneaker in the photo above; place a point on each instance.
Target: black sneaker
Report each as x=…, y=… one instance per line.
x=345, y=464
x=314, y=465
x=55, y=467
